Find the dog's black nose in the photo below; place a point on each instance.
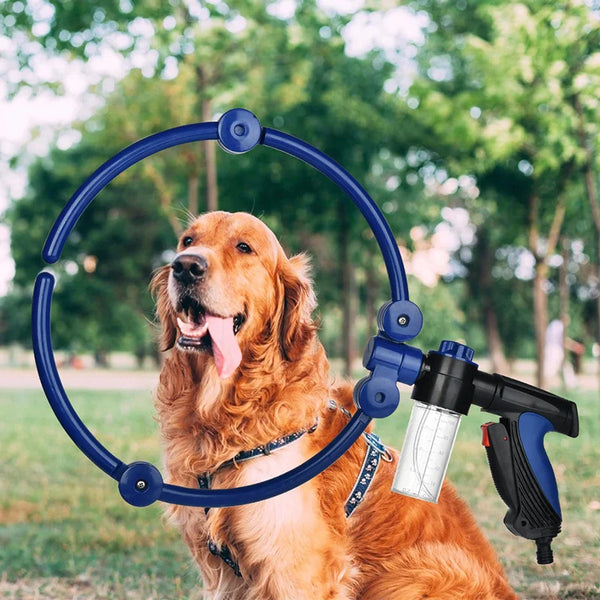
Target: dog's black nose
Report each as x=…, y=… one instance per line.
x=189, y=268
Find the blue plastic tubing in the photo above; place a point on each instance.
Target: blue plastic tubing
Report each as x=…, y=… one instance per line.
x=208, y=131
x=44, y=286
x=112, y=168
x=384, y=236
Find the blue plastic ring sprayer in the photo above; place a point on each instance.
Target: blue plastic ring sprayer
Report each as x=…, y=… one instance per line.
x=446, y=382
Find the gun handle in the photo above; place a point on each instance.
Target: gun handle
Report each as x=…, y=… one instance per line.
x=524, y=479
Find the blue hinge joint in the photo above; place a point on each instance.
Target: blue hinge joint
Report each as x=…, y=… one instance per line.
x=390, y=362
x=400, y=321
x=238, y=131
x=140, y=484
x=389, y=359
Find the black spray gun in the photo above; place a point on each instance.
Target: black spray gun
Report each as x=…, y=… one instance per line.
x=446, y=384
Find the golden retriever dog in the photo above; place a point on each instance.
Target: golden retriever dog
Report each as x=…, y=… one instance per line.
x=246, y=369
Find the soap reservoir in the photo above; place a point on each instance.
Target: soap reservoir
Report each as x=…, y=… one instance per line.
x=441, y=398
x=426, y=452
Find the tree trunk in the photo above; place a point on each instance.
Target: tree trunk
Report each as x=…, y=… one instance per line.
x=540, y=299
x=193, y=184
x=540, y=320
x=592, y=196
x=486, y=283
x=210, y=157
x=499, y=362
x=597, y=269
x=210, y=152
x=564, y=304
x=371, y=295
x=349, y=312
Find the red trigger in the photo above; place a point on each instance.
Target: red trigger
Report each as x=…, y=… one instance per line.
x=485, y=438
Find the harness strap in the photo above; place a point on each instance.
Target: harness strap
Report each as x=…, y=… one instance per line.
x=225, y=555
x=375, y=451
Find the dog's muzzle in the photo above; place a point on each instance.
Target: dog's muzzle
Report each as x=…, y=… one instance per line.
x=189, y=269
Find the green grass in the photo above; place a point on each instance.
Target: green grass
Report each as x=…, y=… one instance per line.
x=60, y=517
x=576, y=462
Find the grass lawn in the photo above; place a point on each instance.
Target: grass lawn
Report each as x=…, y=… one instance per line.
x=66, y=533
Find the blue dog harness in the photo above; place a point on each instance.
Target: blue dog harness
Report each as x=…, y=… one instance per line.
x=373, y=455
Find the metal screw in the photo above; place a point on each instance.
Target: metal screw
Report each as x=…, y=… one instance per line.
x=239, y=129
x=141, y=485
x=403, y=320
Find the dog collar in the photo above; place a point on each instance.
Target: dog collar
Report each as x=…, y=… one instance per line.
x=204, y=480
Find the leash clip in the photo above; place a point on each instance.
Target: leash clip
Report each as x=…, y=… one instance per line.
x=375, y=443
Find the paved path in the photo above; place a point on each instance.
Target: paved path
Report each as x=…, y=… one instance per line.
x=81, y=379
x=129, y=379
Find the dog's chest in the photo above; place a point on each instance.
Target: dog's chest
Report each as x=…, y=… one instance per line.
x=276, y=525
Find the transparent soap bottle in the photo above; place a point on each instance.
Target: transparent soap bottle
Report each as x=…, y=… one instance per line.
x=441, y=399
x=426, y=451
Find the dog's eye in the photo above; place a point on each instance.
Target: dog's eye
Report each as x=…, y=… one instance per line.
x=187, y=241
x=244, y=248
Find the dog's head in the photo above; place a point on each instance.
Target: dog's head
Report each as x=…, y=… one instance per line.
x=231, y=292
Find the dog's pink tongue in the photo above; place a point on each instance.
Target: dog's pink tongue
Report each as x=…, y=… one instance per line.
x=226, y=351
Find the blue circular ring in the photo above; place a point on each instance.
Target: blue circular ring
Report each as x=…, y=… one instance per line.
x=238, y=129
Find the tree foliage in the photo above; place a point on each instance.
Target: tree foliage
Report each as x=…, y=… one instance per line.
x=501, y=119
x=497, y=95
x=296, y=76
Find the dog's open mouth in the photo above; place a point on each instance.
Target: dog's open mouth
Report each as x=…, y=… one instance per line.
x=204, y=331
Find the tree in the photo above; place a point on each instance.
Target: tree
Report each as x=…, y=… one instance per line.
x=100, y=301
x=163, y=35
x=585, y=104
x=310, y=88
x=497, y=88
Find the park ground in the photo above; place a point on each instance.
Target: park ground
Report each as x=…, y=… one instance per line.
x=65, y=533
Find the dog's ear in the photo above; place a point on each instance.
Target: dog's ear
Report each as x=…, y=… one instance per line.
x=164, y=308
x=297, y=326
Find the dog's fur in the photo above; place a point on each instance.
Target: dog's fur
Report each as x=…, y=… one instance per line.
x=300, y=545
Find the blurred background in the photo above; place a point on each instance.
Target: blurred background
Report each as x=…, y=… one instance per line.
x=474, y=125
